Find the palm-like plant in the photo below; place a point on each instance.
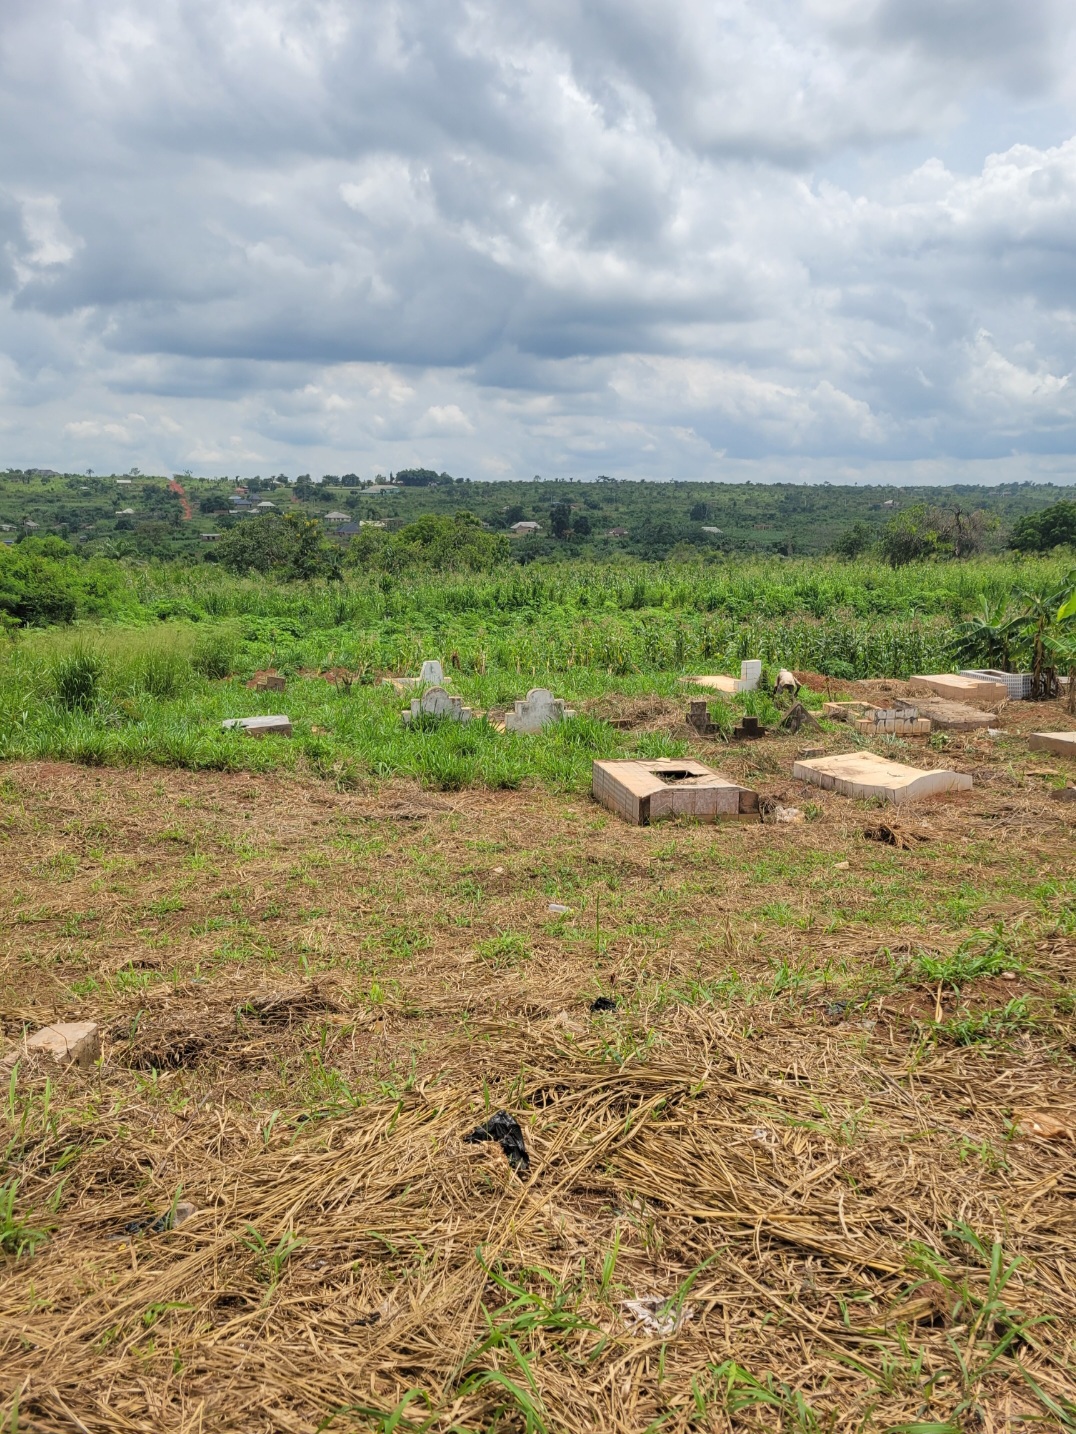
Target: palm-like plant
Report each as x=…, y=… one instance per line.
x=986, y=638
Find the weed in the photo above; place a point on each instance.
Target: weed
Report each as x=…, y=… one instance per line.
x=17, y=1236
x=507, y=948
x=272, y=1259
x=76, y=678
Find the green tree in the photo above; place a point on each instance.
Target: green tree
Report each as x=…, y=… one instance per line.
x=560, y=520
x=292, y=546
x=699, y=512
x=1039, y=532
x=854, y=541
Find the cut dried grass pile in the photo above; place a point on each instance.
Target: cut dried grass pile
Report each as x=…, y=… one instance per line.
x=848, y=1219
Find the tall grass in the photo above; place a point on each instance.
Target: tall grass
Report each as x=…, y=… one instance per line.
x=157, y=691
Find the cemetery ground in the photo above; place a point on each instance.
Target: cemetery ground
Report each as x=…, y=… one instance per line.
x=827, y=1129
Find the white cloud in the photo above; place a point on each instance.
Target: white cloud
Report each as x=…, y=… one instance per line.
x=493, y=237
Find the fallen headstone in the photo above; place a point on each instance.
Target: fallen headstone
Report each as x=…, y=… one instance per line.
x=1062, y=744
x=537, y=710
x=67, y=1043
x=847, y=711
x=260, y=726
x=796, y=717
x=975, y=690
x=644, y=792
x=436, y=702
x=748, y=680
x=863, y=774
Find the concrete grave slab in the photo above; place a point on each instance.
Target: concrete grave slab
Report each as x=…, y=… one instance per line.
x=748, y=680
x=436, y=702
x=1062, y=744
x=537, y=710
x=268, y=682
x=848, y=711
x=260, y=726
x=863, y=774
x=949, y=716
x=645, y=792
x=976, y=690
x=67, y=1043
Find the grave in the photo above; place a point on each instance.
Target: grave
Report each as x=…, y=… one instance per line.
x=1062, y=744
x=748, y=680
x=267, y=682
x=431, y=674
x=901, y=721
x=260, y=726
x=698, y=718
x=436, y=702
x=537, y=710
x=975, y=690
x=949, y=716
x=1016, y=684
x=749, y=730
x=68, y=1043
x=645, y=792
x=863, y=774
x=848, y=711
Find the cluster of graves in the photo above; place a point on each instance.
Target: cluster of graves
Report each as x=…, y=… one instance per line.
x=643, y=792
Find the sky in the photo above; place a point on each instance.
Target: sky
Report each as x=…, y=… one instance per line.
x=798, y=240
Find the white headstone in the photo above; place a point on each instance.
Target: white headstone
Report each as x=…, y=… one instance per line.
x=436, y=702
x=432, y=672
x=750, y=675
x=259, y=726
x=537, y=710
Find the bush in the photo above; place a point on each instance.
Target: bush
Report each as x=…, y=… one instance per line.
x=76, y=678
x=214, y=656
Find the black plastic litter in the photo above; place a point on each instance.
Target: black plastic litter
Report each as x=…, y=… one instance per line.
x=504, y=1129
x=604, y=1003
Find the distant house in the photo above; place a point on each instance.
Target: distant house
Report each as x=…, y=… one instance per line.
x=706, y=529
x=31, y=525
x=889, y=503
x=348, y=530
x=210, y=537
x=524, y=530
x=371, y=523
x=124, y=482
x=7, y=527
x=617, y=533
x=265, y=503
x=376, y=488
x=336, y=517
x=124, y=512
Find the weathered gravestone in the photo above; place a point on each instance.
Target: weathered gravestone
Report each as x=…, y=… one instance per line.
x=436, y=702
x=537, y=710
x=260, y=726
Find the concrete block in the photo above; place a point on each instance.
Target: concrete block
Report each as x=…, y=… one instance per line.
x=698, y=718
x=645, y=792
x=260, y=726
x=748, y=680
x=268, y=682
x=436, y=702
x=537, y=710
x=863, y=774
x=974, y=690
x=67, y=1043
x=1061, y=744
x=947, y=716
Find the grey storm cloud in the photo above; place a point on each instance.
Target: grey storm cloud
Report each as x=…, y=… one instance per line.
x=688, y=239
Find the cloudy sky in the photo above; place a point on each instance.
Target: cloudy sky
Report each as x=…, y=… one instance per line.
x=807, y=239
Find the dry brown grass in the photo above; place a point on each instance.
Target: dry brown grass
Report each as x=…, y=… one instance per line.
x=310, y=997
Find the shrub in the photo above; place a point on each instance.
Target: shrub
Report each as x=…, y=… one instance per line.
x=76, y=678
x=214, y=656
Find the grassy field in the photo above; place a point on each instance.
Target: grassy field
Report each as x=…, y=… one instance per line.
x=154, y=683
x=811, y=1131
